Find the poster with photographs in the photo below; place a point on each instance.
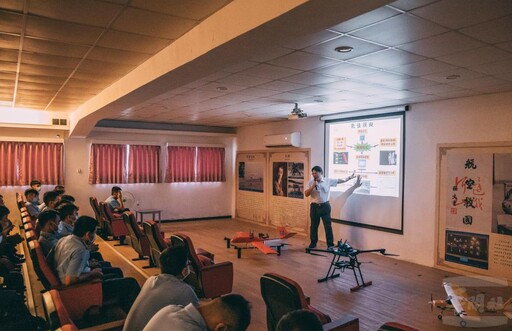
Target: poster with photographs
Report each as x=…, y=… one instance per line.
x=471, y=249
x=295, y=177
x=279, y=175
x=502, y=193
x=250, y=176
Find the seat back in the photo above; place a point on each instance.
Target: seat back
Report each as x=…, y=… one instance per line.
x=156, y=241
x=133, y=231
x=43, y=270
x=180, y=239
x=283, y=295
x=96, y=209
x=56, y=314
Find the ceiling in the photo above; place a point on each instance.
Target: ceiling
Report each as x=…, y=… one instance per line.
x=66, y=55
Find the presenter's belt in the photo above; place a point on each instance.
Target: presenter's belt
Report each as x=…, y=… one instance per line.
x=316, y=204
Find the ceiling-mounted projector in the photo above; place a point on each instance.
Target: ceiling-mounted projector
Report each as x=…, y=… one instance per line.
x=297, y=113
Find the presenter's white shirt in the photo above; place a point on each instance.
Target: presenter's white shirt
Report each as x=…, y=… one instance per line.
x=321, y=192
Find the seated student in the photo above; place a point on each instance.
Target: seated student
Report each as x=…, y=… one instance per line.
x=8, y=249
x=67, y=198
x=116, y=200
x=229, y=312
x=161, y=290
x=50, y=200
x=36, y=185
x=7, y=227
x=59, y=188
x=299, y=320
x=32, y=204
x=49, y=235
x=71, y=260
x=68, y=213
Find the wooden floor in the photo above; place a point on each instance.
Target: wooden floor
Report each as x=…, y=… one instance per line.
x=400, y=290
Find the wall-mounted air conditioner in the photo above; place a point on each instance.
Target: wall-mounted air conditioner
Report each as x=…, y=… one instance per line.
x=283, y=140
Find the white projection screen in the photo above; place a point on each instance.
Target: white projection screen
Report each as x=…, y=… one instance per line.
x=372, y=147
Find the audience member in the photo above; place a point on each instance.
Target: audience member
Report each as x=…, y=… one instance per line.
x=49, y=235
x=59, y=188
x=116, y=200
x=161, y=290
x=230, y=312
x=7, y=227
x=299, y=320
x=71, y=260
x=67, y=198
x=8, y=246
x=50, y=200
x=36, y=185
x=2, y=202
x=68, y=213
x=32, y=204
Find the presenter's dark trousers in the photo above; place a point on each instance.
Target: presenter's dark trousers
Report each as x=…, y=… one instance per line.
x=323, y=211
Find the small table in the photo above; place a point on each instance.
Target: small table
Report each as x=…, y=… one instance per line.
x=143, y=212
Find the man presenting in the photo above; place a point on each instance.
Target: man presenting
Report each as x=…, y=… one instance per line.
x=319, y=189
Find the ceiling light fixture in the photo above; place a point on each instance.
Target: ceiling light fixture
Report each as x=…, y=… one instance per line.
x=344, y=49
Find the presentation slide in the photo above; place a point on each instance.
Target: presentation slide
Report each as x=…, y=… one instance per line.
x=372, y=147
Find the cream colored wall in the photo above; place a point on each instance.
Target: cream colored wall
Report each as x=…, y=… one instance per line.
x=477, y=119
x=177, y=200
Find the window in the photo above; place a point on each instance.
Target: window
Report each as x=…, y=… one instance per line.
x=195, y=164
x=111, y=164
x=21, y=162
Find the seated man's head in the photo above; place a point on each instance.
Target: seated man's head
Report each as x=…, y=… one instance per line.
x=4, y=213
x=2, y=202
x=31, y=195
x=85, y=228
x=229, y=312
x=59, y=188
x=36, y=185
x=116, y=192
x=68, y=213
x=67, y=198
x=50, y=199
x=49, y=221
x=299, y=320
x=174, y=261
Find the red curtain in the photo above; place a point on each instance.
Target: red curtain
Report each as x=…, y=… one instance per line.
x=210, y=164
x=144, y=164
x=21, y=162
x=107, y=164
x=181, y=164
x=9, y=163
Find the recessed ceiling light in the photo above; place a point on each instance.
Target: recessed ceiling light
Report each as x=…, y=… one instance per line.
x=344, y=49
x=221, y=88
x=452, y=77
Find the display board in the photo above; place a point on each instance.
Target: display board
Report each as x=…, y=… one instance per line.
x=287, y=205
x=251, y=203
x=475, y=209
x=372, y=147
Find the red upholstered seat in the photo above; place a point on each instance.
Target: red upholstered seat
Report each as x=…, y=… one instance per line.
x=114, y=221
x=283, y=295
x=214, y=279
x=90, y=293
x=157, y=242
x=138, y=239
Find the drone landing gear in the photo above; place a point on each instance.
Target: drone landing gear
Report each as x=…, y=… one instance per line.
x=353, y=264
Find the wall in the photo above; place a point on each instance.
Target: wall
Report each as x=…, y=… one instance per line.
x=177, y=200
x=477, y=119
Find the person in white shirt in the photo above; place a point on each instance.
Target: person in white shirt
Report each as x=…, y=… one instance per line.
x=319, y=189
x=158, y=291
x=229, y=312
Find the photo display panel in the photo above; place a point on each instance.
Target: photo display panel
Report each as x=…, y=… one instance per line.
x=372, y=147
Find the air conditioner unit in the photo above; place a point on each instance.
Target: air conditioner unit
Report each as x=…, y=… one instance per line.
x=282, y=140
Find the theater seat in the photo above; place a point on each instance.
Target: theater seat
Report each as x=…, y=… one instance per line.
x=115, y=222
x=138, y=239
x=214, y=279
x=157, y=242
x=58, y=318
x=283, y=295
x=89, y=293
x=104, y=227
